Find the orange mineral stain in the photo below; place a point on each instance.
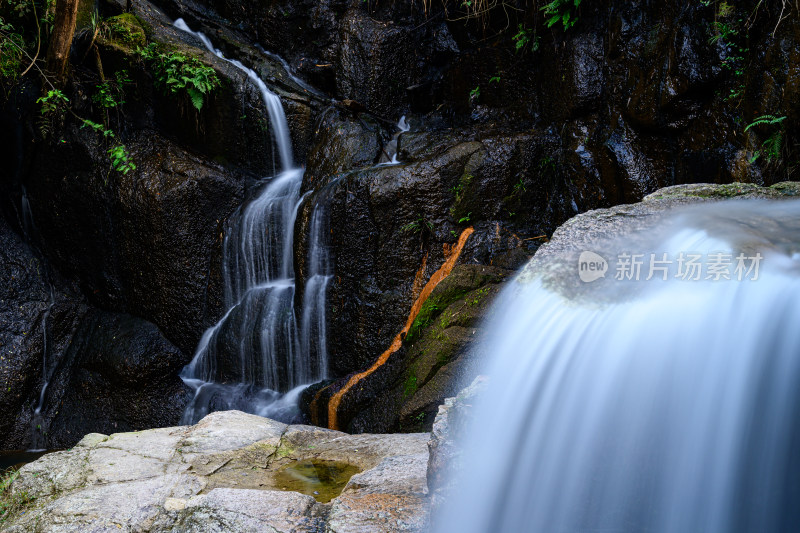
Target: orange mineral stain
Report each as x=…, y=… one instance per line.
x=416, y=289
x=436, y=278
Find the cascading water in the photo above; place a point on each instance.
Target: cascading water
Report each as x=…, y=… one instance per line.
x=256, y=352
x=320, y=272
x=645, y=406
x=389, y=152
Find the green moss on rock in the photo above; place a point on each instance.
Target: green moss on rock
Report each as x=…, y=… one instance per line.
x=712, y=191
x=410, y=386
x=124, y=31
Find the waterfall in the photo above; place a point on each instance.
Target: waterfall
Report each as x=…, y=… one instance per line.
x=635, y=405
x=256, y=358
x=320, y=272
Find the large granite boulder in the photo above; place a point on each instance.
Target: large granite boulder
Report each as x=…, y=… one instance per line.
x=231, y=472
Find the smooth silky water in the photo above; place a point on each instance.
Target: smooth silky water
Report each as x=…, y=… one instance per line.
x=644, y=406
x=257, y=358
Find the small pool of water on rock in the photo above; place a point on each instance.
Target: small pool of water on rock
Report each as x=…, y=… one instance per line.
x=17, y=458
x=324, y=480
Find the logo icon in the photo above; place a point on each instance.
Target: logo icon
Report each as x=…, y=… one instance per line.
x=591, y=266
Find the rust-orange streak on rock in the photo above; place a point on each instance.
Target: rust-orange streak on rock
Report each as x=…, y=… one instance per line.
x=436, y=278
x=416, y=289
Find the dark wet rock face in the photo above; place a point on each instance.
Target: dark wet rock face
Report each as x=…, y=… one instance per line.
x=392, y=227
x=123, y=377
x=104, y=371
x=659, y=95
x=342, y=142
x=505, y=145
x=438, y=357
x=146, y=243
x=376, y=62
x=32, y=321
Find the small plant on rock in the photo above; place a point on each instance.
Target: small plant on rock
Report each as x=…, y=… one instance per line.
x=563, y=11
x=54, y=105
x=475, y=93
x=110, y=93
x=118, y=153
x=177, y=73
x=12, y=47
x=53, y=102
x=525, y=38
x=11, y=502
x=773, y=145
x=417, y=226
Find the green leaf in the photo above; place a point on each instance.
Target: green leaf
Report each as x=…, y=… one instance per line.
x=196, y=97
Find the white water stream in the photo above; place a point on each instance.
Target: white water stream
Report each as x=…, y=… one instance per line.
x=646, y=406
x=256, y=358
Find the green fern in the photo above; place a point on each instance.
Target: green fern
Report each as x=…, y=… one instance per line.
x=773, y=146
x=175, y=73
x=118, y=154
x=563, y=11
x=196, y=97
x=54, y=101
x=768, y=120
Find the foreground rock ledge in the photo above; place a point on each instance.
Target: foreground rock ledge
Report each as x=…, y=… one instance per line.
x=219, y=476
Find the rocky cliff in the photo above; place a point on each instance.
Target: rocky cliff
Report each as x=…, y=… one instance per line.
x=514, y=128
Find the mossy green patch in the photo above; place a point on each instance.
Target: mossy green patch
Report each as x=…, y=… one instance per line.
x=787, y=188
x=711, y=191
x=432, y=307
x=410, y=386
x=423, y=320
x=284, y=450
x=84, y=14
x=729, y=190
x=477, y=296
x=463, y=191
x=464, y=280
x=124, y=31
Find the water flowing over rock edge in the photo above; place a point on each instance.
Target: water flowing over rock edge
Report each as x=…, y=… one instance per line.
x=583, y=458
